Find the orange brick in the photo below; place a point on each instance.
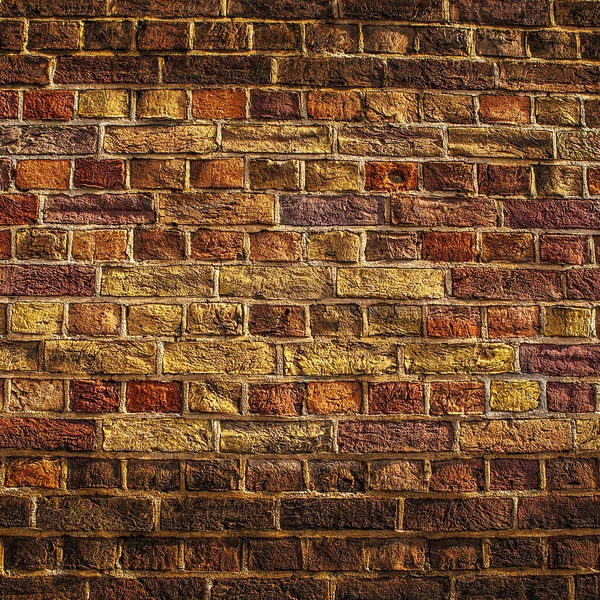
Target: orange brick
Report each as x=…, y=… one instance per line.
x=47, y=174
x=219, y=104
x=48, y=105
x=219, y=173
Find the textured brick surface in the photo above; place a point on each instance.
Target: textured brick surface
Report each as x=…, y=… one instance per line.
x=299, y=299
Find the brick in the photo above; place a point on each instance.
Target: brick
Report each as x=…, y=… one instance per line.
x=94, y=319
x=426, y=10
x=100, y=357
x=570, y=397
x=106, y=69
x=331, y=554
x=566, y=321
x=515, y=396
x=450, y=108
x=339, y=246
x=513, y=321
x=12, y=33
x=162, y=104
x=276, y=399
x=456, y=397
x=27, y=70
x=337, y=320
x=301, y=588
x=328, y=38
x=252, y=358
x=9, y=104
x=48, y=105
x=562, y=181
x=500, y=143
x=53, y=36
x=280, y=321
x=501, y=247
x=453, y=322
x=156, y=281
x=557, y=110
x=276, y=282
x=451, y=176
x=274, y=554
x=543, y=587
x=275, y=437
x=563, y=360
x=220, y=36
x=103, y=103
x=391, y=177
x=93, y=473
x=396, y=475
x=338, y=358
x=394, y=320
x=276, y=36
x=448, y=247
x=333, y=397
x=153, y=396
x=332, y=210
x=211, y=244
x=36, y=395
x=402, y=436
x=502, y=13
x=390, y=283
x=337, y=476
x=107, y=35
x=274, y=475
x=41, y=244
x=451, y=212
x=390, y=246
x=310, y=139
x=268, y=174
x=158, y=244
x=452, y=555
x=332, y=72
x=100, y=245
x=514, y=474
x=515, y=552
x=47, y=434
x=275, y=246
x=572, y=474
x=217, y=70
x=160, y=139
x=396, y=587
x=102, y=174
x=213, y=554
x=220, y=173
x=564, y=249
x=395, y=555
x=458, y=358
x=89, y=553
x=457, y=475
x=31, y=472
x=390, y=140
x=51, y=174
x=154, y=319
x=472, y=514
x=141, y=434
x=94, y=396
x=37, y=318
x=391, y=107
x=207, y=208
x=332, y=176
x=504, y=109
x=268, y=104
x=432, y=73
x=516, y=436
x=397, y=397
x=560, y=512
x=42, y=280
x=337, y=105
x=573, y=553
x=148, y=587
x=444, y=41
x=219, y=104
x=215, y=319
x=162, y=35
x=504, y=179
x=159, y=475
x=29, y=553
x=150, y=554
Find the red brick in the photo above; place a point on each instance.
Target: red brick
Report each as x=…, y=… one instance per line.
x=564, y=249
x=154, y=396
x=211, y=244
x=449, y=247
x=513, y=321
x=49, y=174
x=11, y=35
x=158, y=244
x=157, y=174
x=94, y=396
x=449, y=177
x=450, y=212
x=565, y=473
x=457, y=475
x=48, y=105
x=42, y=280
x=53, y=35
x=391, y=177
x=504, y=180
x=514, y=474
x=401, y=397
x=338, y=106
x=266, y=104
x=47, y=434
x=9, y=104
x=163, y=35
x=507, y=247
x=28, y=70
x=570, y=397
x=280, y=321
x=276, y=246
x=563, y=361
x=573, y=553
x=276, y=399
x=219, y=104
x=274, y=475
x=457, y=397
x=504, y=109
x=453, y=321
x=18, y=209
x=274, y=554
x=103, y=174
x=456, y=555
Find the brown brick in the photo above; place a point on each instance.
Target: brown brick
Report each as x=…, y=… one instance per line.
x=9, y=104
x=160, y=475
x=504, y=109
x=339, y=106
x=276, y=399
x=449, y=177
x=102, y=174
x=456, y=555
x=157, y=174
x=572, y=473
x=391, y=177
x=507, y=247
x=53, y=35
x=274, y=554
x=158, y=244
x=211, y=244
x=504, y=179
x=453, y=321
x=397, y=397
x=11, y=35
x=330, y=554
x=570, y=397
x=449, y=247
x=33, y=472
x=325, y=37
x=107, y=35
x=277, y=36
x=334, y=397
x=514, y=474
x=276, y=246
x=163, y=35
x=457, y=475
x=94, y=319
x=220, y=173
x=94, y=396
x=457, y=397
x=267, y=104
x=274, y=475
x=213, y=554
x=564, y=249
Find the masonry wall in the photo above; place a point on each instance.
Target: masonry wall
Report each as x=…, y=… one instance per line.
x=299, y=299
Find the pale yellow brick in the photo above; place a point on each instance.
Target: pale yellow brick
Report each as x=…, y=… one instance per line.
x=288, y=139
x=36, y=395
x=37, y=318
x=215, y=318
x=587, y=434
x=99, y=357
x=96, y=104
x=18, y=356
x=390, y=283
x=157, y=435
x=157, y=281
x=332, y=176
x=394, y=319
x=250, y=358
x=459, y=358
x=329, y=358
x=161, y=139
x=214, y=396
x=339, y=246
x=162, y=104
x=515, y=396
x=568, y=321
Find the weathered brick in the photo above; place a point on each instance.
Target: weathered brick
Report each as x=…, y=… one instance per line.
x=160, y=139
x=274, y=475
x=495, y=142
x=162, y=35
x=160, y=475
x=333, y=397
x=47, y=434
x=457, y=475
x=217, y=70
x=32, y=472
x=94, y=319
x=106, y=69
x=94, y=396
x=213, y=554
x=451, y=212
x=42, y=280
x=102, y=174
x=107, y=35
x=275, y=320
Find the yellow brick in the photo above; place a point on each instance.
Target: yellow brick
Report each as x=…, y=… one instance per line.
x=394, y=319
x=515, y=396
x=568, y=321
x=288, y=139
x=390, y=283
x=332, y=175
x=98, y=245
x=154, y=319
x=157, y=435
x=163, y=140
x=459, y=358
x=36, y=395
x=276, y=282
x=214, y=396
x=37, y=317
x=157, y=281
x=587, y=434
x=97, y=104
x=162, y=104
x=329, y=358
x=391, y=106
x=18, y=356
x=251, y=358
x=119, y=358
x=215, y=318
x=340, y=246
x=515, y=436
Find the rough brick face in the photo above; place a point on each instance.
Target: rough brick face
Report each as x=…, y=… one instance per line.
x=299, y=299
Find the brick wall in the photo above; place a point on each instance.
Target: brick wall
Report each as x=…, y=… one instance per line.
x=299, y=299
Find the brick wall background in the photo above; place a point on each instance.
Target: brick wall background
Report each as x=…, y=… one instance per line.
x=299, y=299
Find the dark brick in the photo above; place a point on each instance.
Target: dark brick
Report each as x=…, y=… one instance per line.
x=560, y=512
x=11, y=35
x=565, y=473
x=212, y=475
x=515, y=552
x=154, y=588
x=18, y=209
x=269, y=589
x=502, y=12
x=47, y=434
x=163, y=35
x=337, y=476
x=391, y=246
x=512, y=588
x=28, y=70
x=102, y=174
x=430, y=73
x=274, y=554
x=280, y=321
x=107, y=35
x=274, y=475
x=267, y=104
x=158, y=8
x=213, y=554
x=275, y=9
x=39, y=280
x=217, y=70
x=446, y=212
x=444, y=41
x=460, y=475
x=455, y=555
x=158, y=244
x=573, y=553
x=94, y=396
x=42, y=588
x=276, y=399
x=407, y=588
x=30, y=553
x=60, y=8
x=332, y=210
x=38, y=139
x=93, y=473
x=106, y=69
x=418, y=10
x=395, y=397
x=570, y=397
x=53, y=35
x=220, y=36
x=90, y=553
x=277, y=36
x=149, y=554
x=563, y=361
x=159, y=475
x=330, y=72
x=312, y=513
x=514, y=474
x=334, y=554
